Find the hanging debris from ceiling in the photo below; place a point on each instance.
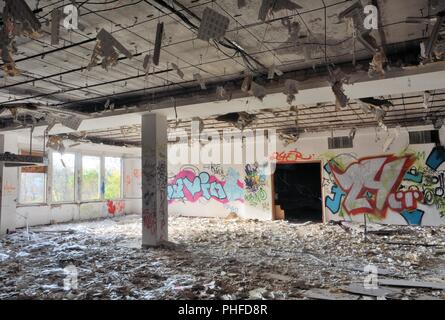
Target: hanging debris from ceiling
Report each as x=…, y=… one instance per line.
x=18, y=20
x=55, y=143
x=213, y=25
x=268, y=7
x=352, y=133
x=426, y=99
x=257, y=91
x=251, y=87
x=24, y=20
x=378, y=102
x=247, y=82
x=178, y=71
x=378, y=65
x=239, y=120
x=289, y=137
x=290, y=90
x=148, y=62
x=197, y=77
x=158, y=43
x=337, y=78
x=223, y=93
x=56, y=16
x=106, y=48
x=391, y=138
x=273, y=70
x=356, y=17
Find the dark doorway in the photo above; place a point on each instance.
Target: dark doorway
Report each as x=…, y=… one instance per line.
x=298, y=191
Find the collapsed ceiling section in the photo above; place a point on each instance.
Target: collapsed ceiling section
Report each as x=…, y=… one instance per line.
x=121, y=54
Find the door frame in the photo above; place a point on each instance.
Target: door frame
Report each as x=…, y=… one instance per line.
x=321, y=163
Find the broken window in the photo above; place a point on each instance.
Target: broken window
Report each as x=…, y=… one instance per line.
x=90, y=178
x=32, y=182
x=112, y=178
x=63, y=180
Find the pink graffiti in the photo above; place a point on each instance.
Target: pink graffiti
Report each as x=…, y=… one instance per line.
x=371, y=185
x=187, y=185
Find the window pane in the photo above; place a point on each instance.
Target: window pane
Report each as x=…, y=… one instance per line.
x=32, y=188
x=63, y=177
x=112, y=178
x=90, y=178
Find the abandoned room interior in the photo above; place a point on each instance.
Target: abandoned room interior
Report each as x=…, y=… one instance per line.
x=222, y=150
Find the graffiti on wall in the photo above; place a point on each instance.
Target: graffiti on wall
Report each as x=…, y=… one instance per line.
x=392, y=183
x=255, y=181
x=115, y=207
x=292, y=156
x=193, y=185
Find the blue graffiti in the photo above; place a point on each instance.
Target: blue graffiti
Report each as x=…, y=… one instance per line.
x=413, y=218
x=334, y=204
x=436, y=158
x=414, y=176
x=327, y=168
x=200, y=184
x=233, y=190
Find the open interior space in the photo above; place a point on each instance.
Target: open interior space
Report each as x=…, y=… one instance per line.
x=222, y=150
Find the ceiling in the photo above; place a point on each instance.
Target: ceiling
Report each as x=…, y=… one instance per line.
x=55, y=77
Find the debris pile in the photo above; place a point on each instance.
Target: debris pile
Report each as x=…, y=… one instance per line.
x=223, y=259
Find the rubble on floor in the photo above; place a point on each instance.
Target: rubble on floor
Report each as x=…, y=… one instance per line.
x=223, y=259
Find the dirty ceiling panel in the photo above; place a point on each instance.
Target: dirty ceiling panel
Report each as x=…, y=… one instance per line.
x=300, y=35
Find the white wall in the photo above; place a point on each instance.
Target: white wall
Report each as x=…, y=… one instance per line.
x=247, y=190
x=368, y=143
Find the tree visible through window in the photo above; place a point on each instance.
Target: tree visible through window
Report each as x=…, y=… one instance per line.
x=63, y=177
x=112, y=178
x=90, y=178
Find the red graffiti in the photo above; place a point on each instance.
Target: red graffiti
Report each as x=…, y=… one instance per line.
x=115, y=207
x=149, y=221
x=371, y=185
x=290, y=157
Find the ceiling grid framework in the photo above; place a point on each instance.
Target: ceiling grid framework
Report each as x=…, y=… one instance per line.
x=302, y=39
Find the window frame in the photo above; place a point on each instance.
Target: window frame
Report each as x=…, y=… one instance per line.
x=19, y=184
x=51, y=162
x=121, y=178
x=80, y=177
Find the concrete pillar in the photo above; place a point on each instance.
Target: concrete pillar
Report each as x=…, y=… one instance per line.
x=9, y=186
x=154, y=180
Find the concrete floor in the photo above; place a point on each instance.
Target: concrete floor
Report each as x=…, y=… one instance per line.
x=216, y=259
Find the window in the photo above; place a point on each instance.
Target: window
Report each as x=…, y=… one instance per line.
x=112, y=178
x=340, y=143
x=63, y=180
x=424, y=137
x=32, y=182
x=90, y=178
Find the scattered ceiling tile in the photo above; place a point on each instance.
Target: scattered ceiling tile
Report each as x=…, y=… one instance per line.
x=178, y=71
x=158, y=43
x=290, y=90
x=268, y=7
x=213, y=25
x=257, y=91
x=201, y=81
x=106, y=48
x=239, y=120
x=273, y=70
x=337, y=78
x=56, y=15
